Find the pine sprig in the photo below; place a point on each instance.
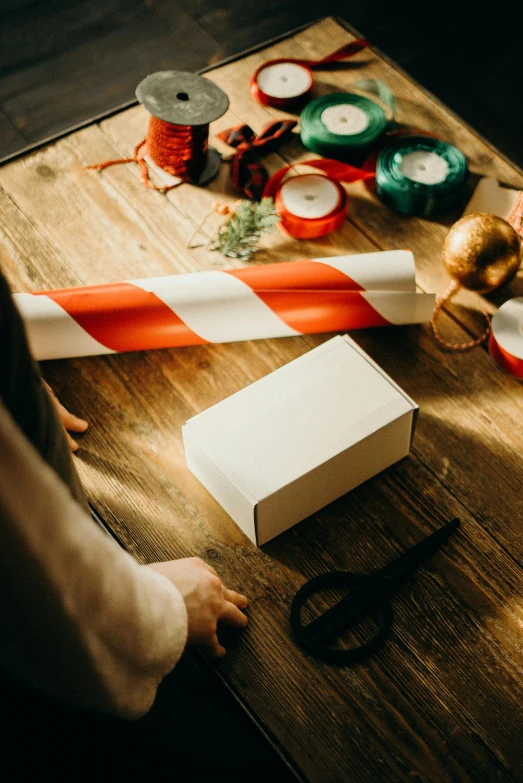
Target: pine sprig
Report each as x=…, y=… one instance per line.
x=238, y=237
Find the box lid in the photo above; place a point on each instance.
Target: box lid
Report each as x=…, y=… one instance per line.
x=299, y=416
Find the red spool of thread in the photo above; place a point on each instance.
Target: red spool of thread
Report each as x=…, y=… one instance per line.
x=287, y=84
x=182, y=105
x=180, y=150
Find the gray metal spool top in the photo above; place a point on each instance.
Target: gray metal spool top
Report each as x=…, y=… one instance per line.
x=182, y=98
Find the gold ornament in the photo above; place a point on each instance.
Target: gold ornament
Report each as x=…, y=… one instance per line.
x=482, y=252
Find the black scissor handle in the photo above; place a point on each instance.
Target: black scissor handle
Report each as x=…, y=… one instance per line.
x=318, y=646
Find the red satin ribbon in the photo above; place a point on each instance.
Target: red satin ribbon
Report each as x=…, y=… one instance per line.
x=504, y=359
x=310, y=228
x=294, y=102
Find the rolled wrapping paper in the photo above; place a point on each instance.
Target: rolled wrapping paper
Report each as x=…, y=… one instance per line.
x=420, y=175
x=506, y=337
x=345, y=126
x=274, y=300
x=287, y=84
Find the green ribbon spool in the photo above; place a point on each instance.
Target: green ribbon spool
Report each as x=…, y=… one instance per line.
x=420, y=175
x=344, y=126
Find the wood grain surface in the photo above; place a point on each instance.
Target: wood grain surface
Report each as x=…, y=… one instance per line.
x=442, y=701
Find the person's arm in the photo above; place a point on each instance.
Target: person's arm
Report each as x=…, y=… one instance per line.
x=79, y=617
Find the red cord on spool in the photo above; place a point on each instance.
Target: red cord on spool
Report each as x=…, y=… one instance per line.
x=506, y=338
x=180, y=150
x=181, y=105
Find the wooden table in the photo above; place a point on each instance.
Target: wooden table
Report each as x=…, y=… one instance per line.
x=443, y=699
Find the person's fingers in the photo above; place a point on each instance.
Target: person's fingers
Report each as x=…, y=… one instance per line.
x=70, y=421
x=214, y=647
x=232, y=616
x=238, y=599
x=72, y=443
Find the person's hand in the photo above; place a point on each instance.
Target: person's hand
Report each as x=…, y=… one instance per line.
x=69, y=420
x=206, y=599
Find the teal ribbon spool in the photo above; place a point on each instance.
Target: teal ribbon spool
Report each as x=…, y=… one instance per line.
x=422, y=196
x=365, y=119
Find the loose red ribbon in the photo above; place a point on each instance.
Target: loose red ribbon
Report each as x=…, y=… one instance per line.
x=310, y=228
x=343, y=53
x=343, y=172
x=248, y=175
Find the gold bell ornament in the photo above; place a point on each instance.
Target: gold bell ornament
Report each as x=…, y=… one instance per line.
x=481, y=253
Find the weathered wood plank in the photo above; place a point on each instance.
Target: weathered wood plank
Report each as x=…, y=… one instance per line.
x=61, y=63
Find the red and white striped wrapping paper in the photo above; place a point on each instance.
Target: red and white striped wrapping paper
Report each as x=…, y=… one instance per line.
x=274, y=300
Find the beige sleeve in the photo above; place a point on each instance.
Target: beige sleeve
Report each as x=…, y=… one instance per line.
x=79, y=618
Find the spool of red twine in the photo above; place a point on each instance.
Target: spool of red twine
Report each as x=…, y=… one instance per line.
x=180, y=150
x=182, y=105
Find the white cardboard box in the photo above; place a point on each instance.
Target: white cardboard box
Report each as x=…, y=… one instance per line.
x=292, y=442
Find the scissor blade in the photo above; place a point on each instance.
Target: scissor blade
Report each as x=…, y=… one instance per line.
x=410, y=560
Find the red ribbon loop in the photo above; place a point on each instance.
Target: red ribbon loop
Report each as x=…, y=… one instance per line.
x=307, y=228
x=343, y=53
x=295, y=102
x=341, y=172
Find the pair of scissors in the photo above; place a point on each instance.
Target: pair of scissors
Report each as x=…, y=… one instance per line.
x=371, y=592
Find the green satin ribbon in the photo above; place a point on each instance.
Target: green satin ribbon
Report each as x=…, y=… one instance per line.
x=351, y=148
x=417, y=198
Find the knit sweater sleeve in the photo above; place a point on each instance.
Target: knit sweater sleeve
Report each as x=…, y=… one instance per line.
x=79, y=617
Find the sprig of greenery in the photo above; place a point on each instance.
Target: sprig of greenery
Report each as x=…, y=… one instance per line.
x=238, y=237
